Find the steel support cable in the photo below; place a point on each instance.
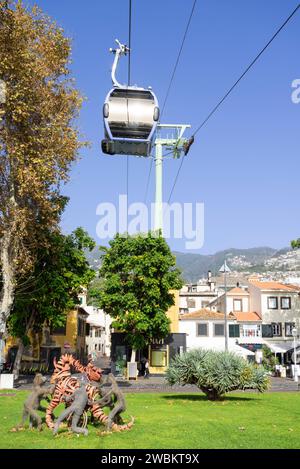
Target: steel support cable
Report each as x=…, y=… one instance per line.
x=232, y=88
x=170, y=84
x=128, y=84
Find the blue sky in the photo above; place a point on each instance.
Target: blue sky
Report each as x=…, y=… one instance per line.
x=244, y=163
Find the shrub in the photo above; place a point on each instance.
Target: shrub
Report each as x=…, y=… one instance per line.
x=269, y=360
x=216, y=373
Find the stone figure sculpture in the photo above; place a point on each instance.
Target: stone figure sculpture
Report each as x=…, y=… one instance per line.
x=80, y=401
x=32, y=403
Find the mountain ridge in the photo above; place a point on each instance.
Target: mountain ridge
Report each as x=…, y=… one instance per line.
x=261, y=259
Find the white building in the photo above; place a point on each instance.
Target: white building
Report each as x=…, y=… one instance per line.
x=278, y=305
x=196, y=296
x=98, y=342
x=248, y=329
x=206, y=329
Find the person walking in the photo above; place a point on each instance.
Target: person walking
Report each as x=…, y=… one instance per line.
x=146, y=369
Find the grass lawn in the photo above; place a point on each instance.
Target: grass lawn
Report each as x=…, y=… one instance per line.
x=270, y=420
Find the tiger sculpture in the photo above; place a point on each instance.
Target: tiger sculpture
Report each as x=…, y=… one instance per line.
x=65, y=385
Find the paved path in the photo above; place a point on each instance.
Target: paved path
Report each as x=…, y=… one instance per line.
x=158, y=384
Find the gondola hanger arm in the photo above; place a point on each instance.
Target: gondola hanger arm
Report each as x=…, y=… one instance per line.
x=121, y=50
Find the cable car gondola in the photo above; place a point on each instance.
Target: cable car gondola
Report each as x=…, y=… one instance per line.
x=130, y=116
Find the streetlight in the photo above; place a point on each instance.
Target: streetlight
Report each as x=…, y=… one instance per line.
x=294, y=333
x=224, y=269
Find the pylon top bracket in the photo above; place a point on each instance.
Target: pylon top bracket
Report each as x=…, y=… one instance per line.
x=171, y=137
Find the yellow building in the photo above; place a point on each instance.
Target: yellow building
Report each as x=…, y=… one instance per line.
x=49, y=344
x=160, y=352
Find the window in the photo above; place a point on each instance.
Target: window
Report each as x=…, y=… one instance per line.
x=190, y=302
x=285, y=302
x=234, y=330
x=237, y=305
x=183, y=310
x=61, y=330
x=272, y=302
x=158, y=358
x=194, y=289
x=219, y=330
x=276, y=329
x=289, y=328
x=249, y=330
x=80, y=327
x=202, y=330
x=267, y=330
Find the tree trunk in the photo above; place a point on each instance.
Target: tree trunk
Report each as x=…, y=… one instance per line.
x=212, y=394
x=133, y=354
x=18, y=359
x=17, y=363
x=8, y=282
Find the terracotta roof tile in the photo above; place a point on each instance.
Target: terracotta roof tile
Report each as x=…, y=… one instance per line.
x=205, y=314
x=272, y=286
x=247, y=316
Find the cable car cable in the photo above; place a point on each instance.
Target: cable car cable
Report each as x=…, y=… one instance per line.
x=178, y=57
x=247, y=69
x=169, y=87
x=128, y=84
x=232, y=88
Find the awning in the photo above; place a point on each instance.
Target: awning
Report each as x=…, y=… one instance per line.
x=279, y=347
x=251, y=340
x=242, y=351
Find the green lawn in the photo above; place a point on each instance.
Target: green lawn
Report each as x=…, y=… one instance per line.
x=245, y=420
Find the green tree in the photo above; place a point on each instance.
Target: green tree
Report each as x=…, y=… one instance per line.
x=295, y=244
x=216, y=373
x=52, y=289
x=138, y=275
x=269, y=360
x=38, y=138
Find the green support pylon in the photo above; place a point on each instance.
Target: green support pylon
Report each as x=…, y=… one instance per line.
x=176, y=144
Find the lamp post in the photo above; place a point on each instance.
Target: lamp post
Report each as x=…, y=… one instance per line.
x=294, y=332
x=225, y=269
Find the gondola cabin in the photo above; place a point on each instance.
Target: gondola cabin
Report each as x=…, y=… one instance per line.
x=130, y=120
x=130, y=116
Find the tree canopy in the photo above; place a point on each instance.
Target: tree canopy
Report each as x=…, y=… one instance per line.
x=138, y=275
x=60, y=273
x=38, y=138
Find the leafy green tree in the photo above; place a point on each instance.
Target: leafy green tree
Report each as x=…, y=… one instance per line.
x=295, y=244
x=45, y=297
x=138, y=275
x=216, y=373
x=94, y=291
x=269, y=361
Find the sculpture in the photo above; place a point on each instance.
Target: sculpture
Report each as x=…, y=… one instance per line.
x=66, y=384
x=32, y=402
x=80, y=401
x=114, y=399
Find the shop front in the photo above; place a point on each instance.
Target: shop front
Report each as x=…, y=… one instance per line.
x=159, y=353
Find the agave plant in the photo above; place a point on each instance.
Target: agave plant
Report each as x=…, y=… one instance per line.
x=216, y=373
